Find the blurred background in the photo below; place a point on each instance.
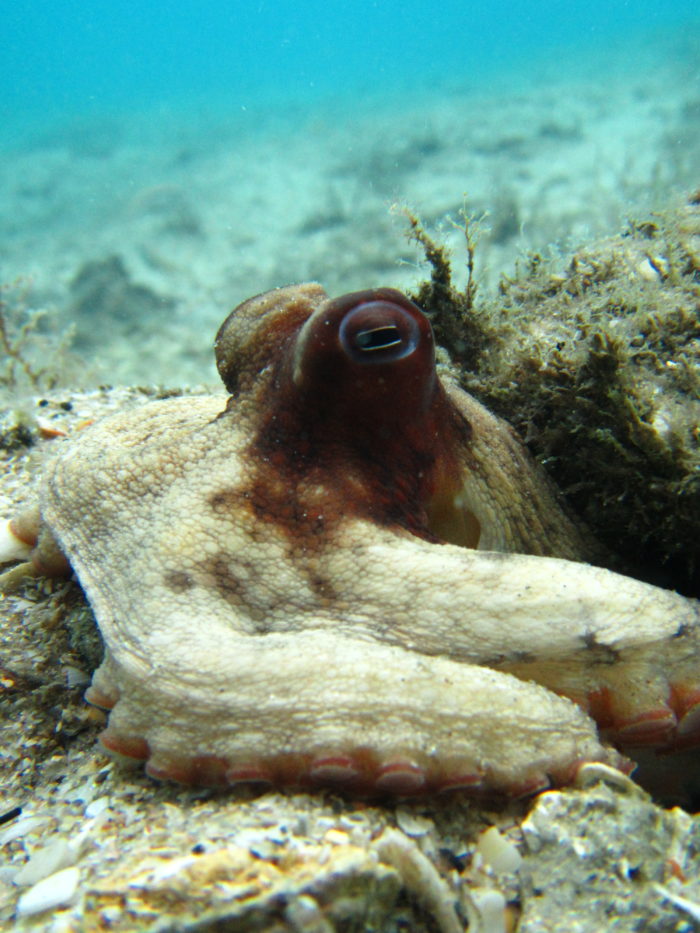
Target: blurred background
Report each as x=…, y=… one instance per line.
x=160, y=163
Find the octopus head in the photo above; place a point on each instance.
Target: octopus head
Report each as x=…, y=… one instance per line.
x=346, y=399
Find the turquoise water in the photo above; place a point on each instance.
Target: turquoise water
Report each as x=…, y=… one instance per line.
x=74, y=58
x=161, y=162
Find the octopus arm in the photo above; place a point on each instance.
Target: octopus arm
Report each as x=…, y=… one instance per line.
x=319, y=707
x=624, y=650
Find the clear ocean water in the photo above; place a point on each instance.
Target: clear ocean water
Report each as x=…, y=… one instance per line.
x=161, y=162
x=66, y=57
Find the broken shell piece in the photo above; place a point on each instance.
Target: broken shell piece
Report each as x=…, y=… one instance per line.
x=497, y=851
x=58, y=890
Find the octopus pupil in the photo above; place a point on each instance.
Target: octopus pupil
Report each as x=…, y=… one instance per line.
x=378, y=338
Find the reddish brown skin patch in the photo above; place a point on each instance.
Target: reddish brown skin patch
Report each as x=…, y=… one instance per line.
x=599, y=706
x=99, y=699
x=133, y=747
x=265, y=345
x=227, y=584
x=401, y=777
x=216, y=573
x=685, y=702
x=684, y=697
x=47, y=557
x=353, y=437
x=654, y=729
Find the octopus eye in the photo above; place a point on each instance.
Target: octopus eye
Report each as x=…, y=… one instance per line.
x=379, y=332
x=378, y=338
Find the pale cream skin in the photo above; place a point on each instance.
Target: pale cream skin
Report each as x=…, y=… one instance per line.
x=268, y=618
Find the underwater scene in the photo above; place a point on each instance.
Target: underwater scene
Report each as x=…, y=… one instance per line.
x=161, y=163
x=350, y=458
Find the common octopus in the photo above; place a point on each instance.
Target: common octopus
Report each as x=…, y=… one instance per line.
x=350, y=573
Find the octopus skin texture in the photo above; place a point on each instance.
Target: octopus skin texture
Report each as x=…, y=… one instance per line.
x=349, y=573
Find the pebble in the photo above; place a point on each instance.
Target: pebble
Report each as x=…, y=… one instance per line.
x=491, y=906
x=97, y=806
x=497, y=851
x=22, y=827
x=75, y=676
x=58, y=890
x=45, y=862
x=413, y=824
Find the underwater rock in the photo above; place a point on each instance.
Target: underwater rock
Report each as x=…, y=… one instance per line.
x=104, y=299
x=607, y=852
x=596, y=363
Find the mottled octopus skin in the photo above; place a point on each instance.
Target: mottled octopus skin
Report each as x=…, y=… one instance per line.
x=351, y=574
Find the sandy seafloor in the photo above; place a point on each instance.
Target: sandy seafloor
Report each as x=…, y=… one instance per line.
x=144, y=229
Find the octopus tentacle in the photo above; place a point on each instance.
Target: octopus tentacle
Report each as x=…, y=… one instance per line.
x=626, y=651
x=515, y=504
x=387, y=721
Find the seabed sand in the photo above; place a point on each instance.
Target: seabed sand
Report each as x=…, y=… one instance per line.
x=144, y=239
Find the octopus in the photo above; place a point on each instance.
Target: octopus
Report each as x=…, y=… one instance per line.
x=348, y=573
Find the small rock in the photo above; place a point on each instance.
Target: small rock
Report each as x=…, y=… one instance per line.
x=58, y=890
x=47, y=861
x=498, y=852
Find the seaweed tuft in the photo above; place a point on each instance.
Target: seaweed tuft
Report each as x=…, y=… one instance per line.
x=34, y=356
x=458, y=326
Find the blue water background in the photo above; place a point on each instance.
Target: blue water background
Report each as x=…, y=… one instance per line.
x=183, y=156
x=71, y=58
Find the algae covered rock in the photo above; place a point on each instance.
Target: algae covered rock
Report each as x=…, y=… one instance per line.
x=596, y=363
